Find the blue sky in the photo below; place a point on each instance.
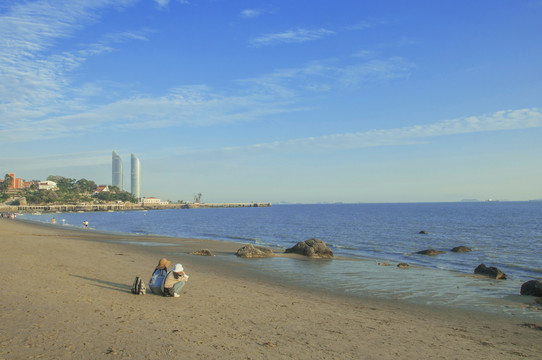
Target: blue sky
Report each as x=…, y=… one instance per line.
x=296, y=101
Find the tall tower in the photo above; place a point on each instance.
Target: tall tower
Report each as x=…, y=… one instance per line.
x=117, y=171
x=135, y=176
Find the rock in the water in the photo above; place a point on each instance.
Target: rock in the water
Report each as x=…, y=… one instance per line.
x=430, y=252
x=532, y=287
x=403, y=265
x=251, y=251
x=461, y=249
x=491, y=272
x=384, y=264
x=423, y=232
x=312, y=248
x=203, y=252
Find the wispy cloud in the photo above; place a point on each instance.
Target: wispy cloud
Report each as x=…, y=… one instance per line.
x=505, y=120
x=162, y=3
x=500, y=120
x=35, y=78
x=366, y=24
x=183, y=106
x=251, y=13
x=291, y=36
x=328, y=75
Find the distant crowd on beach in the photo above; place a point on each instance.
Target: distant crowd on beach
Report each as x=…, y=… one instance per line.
x=8, y=215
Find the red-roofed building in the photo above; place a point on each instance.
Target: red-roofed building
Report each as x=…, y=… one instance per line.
x=100, y=189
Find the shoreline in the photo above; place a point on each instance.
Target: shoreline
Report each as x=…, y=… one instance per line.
x=78, y=304
x=352, y=277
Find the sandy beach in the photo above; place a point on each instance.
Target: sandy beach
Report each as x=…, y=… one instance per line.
x=66, y=294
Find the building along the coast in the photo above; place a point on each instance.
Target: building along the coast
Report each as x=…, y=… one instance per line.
x=135, y=177
x=117, y=171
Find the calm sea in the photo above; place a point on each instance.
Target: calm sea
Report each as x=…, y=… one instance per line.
x=507, y=235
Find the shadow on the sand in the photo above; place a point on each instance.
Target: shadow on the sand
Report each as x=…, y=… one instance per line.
x=106, y=284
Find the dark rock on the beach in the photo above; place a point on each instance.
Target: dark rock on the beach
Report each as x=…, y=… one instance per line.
x=532, y=287
x=251, y=251
x=461, y=249
x=312, y=248
x=430, y=252
x=423, y=232
x=403, y=266
x=491, y=272
x=203, y=252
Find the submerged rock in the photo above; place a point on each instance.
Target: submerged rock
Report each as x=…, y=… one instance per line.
x=461, y=249
x=403, y=266
x=423, y=232
x=312, y=248
x=491, y=272
x=251, y=251
x=430, y=252
x=203, y=252
x=532, y=287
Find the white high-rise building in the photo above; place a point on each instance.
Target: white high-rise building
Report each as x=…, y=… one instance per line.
x=135, y=177
x=117, y=171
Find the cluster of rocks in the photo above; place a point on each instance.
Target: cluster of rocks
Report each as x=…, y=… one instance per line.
x=316, y=248
x=313, y=248
x=433, y=252
x=400, y=265
x=532, y=287
x=203, y=252
x=251, y=251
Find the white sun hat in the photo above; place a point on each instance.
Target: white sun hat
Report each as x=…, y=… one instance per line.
x=178, y=268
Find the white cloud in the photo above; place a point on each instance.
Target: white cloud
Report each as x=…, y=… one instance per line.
x=35, y=81
x=184, y=106
x=328, y=75
x=162, y=3
x=366, y=24
x=291, y=36
x=251, y=13
x=504, y=120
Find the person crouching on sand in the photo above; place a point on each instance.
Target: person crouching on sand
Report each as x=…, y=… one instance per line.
x=174, y=282
x=158, y=276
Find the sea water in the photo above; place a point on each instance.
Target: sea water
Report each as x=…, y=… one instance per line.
x=507, y=235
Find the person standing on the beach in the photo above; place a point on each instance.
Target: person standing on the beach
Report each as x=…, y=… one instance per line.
x=174, y=282
x=54, y=220
x=158, y=276
x=85, y=224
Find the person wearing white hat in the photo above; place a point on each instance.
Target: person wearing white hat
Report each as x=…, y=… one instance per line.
x=174, y=282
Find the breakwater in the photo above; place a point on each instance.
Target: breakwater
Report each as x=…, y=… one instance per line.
x=120, y=207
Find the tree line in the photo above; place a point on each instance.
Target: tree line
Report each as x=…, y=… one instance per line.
x=69, y=191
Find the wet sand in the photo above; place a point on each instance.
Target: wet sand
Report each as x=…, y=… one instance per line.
x=66, y=294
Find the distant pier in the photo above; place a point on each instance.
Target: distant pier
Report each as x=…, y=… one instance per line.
x=56, y=208
x=227, y=205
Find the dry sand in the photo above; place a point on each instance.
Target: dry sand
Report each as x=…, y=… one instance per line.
x=64, y=297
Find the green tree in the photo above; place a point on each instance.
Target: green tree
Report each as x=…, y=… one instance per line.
x=86, y=185
x=8, y=180
x=63, y=183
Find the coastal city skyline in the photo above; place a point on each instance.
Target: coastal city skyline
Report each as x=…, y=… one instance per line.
x=300, y=102
x=117, y=174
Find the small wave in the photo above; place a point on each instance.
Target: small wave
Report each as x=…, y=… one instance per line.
x=229, y=237
x=242, y=238
x=343, y=247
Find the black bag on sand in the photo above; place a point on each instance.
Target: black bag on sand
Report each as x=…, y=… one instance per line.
x=139, y=287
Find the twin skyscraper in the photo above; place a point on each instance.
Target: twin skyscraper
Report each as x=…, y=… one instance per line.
x=118, y=174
